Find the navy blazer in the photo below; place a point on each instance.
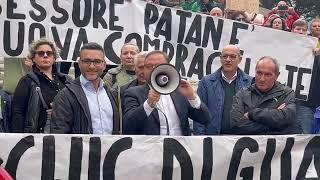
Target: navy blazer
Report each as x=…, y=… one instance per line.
x=136, y=121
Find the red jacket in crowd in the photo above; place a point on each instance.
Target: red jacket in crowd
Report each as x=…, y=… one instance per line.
x=291, y=17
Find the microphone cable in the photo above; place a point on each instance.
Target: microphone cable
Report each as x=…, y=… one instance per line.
x=167, y=123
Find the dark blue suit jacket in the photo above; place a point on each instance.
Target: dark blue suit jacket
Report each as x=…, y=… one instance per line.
x=136, y=121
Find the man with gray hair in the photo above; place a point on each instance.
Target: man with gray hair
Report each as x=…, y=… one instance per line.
x=139, y=70
x=216, y=11
x=266, y=107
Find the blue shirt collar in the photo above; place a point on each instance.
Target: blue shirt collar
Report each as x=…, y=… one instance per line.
x=86, y=83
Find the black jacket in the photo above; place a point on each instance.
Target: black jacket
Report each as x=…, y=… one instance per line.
x=71, y=114
x=5, y=103
x=137, y=122
x=26, y=116
x=314, y=93
x=125, y=87
x=264, y=117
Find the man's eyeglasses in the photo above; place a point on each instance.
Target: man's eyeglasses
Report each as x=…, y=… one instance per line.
x=96, y=62
x=42, y=53
x=232, y=57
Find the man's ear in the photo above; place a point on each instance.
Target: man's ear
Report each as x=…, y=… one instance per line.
x=240, y=57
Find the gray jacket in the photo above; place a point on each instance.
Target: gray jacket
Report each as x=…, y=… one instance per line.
x=263, y=115
x=71, y=114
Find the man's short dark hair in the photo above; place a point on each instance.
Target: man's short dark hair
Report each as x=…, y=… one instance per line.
x=92, y=46
x=158, y=52
x=275, y=62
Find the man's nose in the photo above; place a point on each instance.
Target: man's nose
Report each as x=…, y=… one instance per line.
x=130, y=55
x=91, y=66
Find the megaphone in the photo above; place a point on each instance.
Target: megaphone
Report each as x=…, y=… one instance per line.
x=164, y=79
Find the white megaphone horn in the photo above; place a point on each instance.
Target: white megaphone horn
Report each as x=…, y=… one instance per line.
x=164, y=79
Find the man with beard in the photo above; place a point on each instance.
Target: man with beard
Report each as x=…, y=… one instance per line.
x=86, y=106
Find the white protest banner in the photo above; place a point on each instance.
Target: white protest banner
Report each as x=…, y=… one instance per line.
x=251, y=6
x=192, y=41
x=37, y=156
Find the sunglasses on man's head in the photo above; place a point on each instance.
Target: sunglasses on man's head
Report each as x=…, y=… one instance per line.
x=42, y=53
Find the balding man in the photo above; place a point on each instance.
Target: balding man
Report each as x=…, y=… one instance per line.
x=123, y=74
x=139, y=70
x=217, y=90
x=266, y=107
x=217, y=12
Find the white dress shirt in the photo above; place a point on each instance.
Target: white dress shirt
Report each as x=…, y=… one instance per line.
x=165, y=104
x=229, y=80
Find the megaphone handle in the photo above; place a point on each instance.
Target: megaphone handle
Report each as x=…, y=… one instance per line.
x=167, y=123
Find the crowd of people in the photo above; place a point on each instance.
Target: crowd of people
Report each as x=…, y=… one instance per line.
x=228, y=101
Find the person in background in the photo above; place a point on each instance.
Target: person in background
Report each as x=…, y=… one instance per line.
x=5, y=112
x=206, y=6
x=216, y=11
x=31, y=104
x=315, y=126
x=315, y=32
x=300, y=26
x=277, y=22
x=285, y=12
x=123, y=74
x=256, y=19
x=304, y=110
x=239, y=16
x=139, y=70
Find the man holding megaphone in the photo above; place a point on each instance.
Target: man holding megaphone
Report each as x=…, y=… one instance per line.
x=164, y=104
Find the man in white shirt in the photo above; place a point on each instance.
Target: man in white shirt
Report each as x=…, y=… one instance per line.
x=148, y=112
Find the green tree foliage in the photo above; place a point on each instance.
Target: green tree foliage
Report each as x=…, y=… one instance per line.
x=308, y=8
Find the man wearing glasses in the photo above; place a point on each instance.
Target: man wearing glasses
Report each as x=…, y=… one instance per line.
x=147, y=112
x=86, y=106
x=217, y=90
